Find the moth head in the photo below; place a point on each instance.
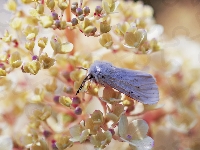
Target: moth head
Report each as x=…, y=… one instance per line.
x=99, y=67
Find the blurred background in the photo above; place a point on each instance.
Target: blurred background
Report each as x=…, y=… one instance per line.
x=178, y=17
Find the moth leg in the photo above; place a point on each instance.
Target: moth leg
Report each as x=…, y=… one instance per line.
x=83, y=83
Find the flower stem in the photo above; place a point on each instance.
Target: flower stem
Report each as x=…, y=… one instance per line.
x=69, y=33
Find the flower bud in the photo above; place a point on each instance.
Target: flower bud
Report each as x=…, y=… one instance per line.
x=78, y=111
x=76, y=100
x=54, y=15
x=11, y=5
x=50, y=4
x=79, y=11
x=15, y=60
x=81, y=17
x=105, y=27
x=30, y=45
x=74, y=21
x=66, y=101
x=2, y=72
x=40, y=8
x=73, y=9
x=63, y=5
x=56, y=99
x=46, y=62
x=31, y=67
x=86, y=10
x=46, y=133
x=68, y=90
x=46, y=21
x=34, y=57
x=98, y=10
x=42, y=42
x=57, y=23
x=106, y=40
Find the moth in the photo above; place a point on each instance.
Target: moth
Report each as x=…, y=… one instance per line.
x=138, y=85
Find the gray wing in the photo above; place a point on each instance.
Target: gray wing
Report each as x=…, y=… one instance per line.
x=138, y=85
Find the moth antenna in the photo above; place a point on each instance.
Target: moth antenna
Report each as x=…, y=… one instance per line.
x=88, y=77
x=82, y=68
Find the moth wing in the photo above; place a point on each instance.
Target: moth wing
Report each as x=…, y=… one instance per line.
x=138, y=85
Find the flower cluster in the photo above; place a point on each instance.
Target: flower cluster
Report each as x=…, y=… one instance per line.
x=44, y=55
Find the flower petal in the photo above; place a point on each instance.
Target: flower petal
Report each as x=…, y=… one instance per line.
x=138, y=129
x=123, y=124
x=144, y=144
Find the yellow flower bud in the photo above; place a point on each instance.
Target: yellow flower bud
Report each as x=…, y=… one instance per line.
x=32, y=67
x=106, y=40
x=55, y=43
x=101, y=139
x=50, y=4
x=155, y=46
x=11, y=5
x=144, y=47
x=34, y=123
x=7, y=37
x=32, y=20
x=63, y=4
x=89, y=29
x=97, y=117
x=32, y=30
x=78, y=133
x=31, y=36
x=66, y=47
x=63, y=142
x=2, y=72
x=60, y=48
x=26, y=1
x=30, y=45
x=46, y=61
x=109, y=6
x=34, y=135
x=86, y=23
x=3, y=56
x=46, y=21
x=15, y=60
x=127, y=102
x=53, y=71
x=42, y=42
x=33, y=12
x=52, y=86
x=16, y=23
x=122, y=28
x=40, y=8
x=63, y=25
x=135, y=39
x=65, y=101
x=46, y=112
x=105, y=27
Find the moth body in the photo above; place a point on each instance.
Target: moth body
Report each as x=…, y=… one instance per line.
x=138, y=85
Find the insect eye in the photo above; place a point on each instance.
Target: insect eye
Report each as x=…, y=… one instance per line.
x=90, y=76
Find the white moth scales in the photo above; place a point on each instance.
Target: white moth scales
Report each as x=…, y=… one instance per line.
x=138, y=85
